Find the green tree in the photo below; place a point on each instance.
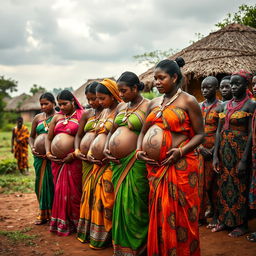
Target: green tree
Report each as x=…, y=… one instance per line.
x=37, y=88
x=245, y=15
x=6, y=86
x=151, y=58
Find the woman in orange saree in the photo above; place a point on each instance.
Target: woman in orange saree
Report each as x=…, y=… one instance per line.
x=172, y=131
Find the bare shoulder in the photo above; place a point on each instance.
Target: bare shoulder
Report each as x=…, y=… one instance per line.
x=188, y=100
x=154, y=102
x=121, y=106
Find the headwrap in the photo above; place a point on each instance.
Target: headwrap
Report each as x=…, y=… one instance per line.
x=112, y=87
x=245, y=74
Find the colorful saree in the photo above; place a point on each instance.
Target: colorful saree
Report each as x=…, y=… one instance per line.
x=68, y=185
x=252, y=193
x=83, y=229
x=131, y=197
x=207, y=176
x=173, y=199
x=21, y=147
x=233, y=187
x=44, y=187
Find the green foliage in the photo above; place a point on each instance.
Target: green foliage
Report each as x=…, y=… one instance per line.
x=150, y=95
x=6, y=86
x=37, y=88
x=13, y=183
x=151, y=58
x=8, y=166
x=245, y=15
x=198, y=36
x=19, y=236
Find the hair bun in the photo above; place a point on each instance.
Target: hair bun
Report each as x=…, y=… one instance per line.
x=180, y=61
x=141, y=86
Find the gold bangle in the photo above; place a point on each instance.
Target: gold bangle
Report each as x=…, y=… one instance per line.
x=77, y=151
x=137, y=152
x=48, y=153
x=181, y=152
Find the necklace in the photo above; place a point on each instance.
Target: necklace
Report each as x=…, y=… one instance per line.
x=173, y=98
x=105, y=117
x=46, y=126
x=96, y=119
x=127, y=114
x=66, y=120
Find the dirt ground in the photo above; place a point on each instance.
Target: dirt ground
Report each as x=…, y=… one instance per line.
x=18, y=211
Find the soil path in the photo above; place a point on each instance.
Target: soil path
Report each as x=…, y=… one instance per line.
x=19, y=211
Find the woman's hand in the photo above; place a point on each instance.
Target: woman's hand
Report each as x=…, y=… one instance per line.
x=142, y=155
x=173, y=156
x=69, y=158
x=53, y=158
x=35, y=153
x=81, y=156
x=241, y=168
x=206, y=153
x=91, y=159
x=216, y=164
x=108, y=155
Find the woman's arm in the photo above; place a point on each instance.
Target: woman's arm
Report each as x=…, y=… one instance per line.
x=32, y=136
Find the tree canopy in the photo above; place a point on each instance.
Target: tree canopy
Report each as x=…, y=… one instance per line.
x=37, y=88
x=245, y=15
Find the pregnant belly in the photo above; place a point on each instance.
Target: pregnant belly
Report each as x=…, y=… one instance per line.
x=122, y=142
x=86, y=142
x=97, y=146
x=152, y=142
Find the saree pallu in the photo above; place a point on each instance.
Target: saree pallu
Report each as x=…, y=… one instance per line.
x=131, y=206
x=21, y=147
x=44, y=187
x=102, y=207
x=173, y=199
x=67, y=196
x=252, y=192
x=83, y=228
x=68, y=185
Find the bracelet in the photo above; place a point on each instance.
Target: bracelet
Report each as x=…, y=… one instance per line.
x=77, y=151
x=181, y=152
x=48, y=153
x=137, y=152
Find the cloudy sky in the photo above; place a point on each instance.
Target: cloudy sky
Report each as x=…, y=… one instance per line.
x=62, y=43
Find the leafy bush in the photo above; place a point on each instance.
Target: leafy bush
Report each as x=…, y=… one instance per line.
x=8, y=166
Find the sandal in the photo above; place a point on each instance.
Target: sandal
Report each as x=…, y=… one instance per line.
x=252, y=237
x=40, y=222
x=239, y=231
x=219, y=227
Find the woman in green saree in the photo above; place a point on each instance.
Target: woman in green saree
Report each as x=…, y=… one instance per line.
x=129, y=175
x=44, y=187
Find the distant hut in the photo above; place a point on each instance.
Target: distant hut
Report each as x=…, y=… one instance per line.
x=79, y=93
x=218, y=54
x=28, y=106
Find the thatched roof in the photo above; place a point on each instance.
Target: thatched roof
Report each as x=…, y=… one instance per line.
x=14, y=104
x=222, y=52
x=79, y=93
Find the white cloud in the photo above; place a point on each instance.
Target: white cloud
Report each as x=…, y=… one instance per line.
x=64, y=42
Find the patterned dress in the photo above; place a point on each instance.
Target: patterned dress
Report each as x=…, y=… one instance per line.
x=252, y=193
x=131, y=201
x=174, y=200
x=207, y=176
x=44, y=187
x=21, y=147
x=233, y=187
x=83, y=229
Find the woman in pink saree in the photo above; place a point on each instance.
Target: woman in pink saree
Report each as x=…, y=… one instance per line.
x=67, y=170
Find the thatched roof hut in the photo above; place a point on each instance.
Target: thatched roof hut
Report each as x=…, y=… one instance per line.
x=28, y=106
x=15, y=103
x=79, y=93
x=220, y=53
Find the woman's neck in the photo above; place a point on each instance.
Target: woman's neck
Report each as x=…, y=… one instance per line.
x=47, y=115
x=171, y=93
x=136, y=100
x=240, y=97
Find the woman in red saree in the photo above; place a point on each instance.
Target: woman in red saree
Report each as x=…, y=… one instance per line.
x=67, y=172
x=172, y=131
